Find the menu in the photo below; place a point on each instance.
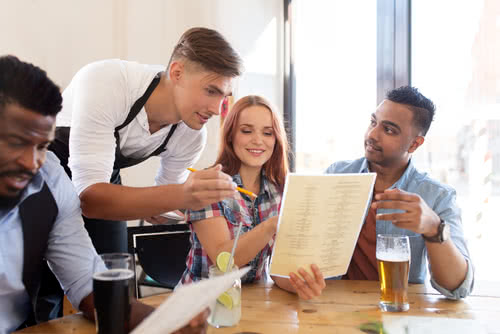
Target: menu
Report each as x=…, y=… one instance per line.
x=186, y=302
x=320, y=220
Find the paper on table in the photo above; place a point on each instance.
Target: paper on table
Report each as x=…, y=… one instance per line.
x=424, y=325
x=186, y=302
x=320, y=220
x=172, y=215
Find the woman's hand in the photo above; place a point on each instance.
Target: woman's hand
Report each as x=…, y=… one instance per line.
x=308, y=287
x=197, y=325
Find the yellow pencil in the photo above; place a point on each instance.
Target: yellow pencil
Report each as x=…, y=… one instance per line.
x=241, y=190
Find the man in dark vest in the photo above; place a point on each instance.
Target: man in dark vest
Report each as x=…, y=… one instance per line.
x=40, y=215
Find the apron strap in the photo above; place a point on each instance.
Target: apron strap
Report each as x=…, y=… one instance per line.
x=161, y=148
x=136, y=108
x=122, y=161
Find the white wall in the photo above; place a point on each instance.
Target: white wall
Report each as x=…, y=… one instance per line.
x=61, y=36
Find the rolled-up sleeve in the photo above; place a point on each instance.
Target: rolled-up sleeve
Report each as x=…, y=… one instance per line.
x=212, y=210
x=449, y=212
x=98, y=104
x=463, y=290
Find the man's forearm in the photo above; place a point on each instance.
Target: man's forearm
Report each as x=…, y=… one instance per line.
x=448, y=265
x=87, y=307
x=117, y=202
x=138, y=310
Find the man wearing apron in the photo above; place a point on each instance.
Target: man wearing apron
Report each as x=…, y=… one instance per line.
x=117, y=114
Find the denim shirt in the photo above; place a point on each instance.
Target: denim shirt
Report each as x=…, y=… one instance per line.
x=440, y=198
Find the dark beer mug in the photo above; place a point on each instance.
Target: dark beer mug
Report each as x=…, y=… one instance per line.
x=114, y=288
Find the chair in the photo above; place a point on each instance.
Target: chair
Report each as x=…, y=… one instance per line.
x=161, y=251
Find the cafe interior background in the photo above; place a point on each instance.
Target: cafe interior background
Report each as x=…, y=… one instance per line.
x=325, y=64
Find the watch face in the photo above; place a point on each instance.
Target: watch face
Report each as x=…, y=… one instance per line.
x=446, y=231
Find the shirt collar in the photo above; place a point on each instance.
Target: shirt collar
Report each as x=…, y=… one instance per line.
x=264, y=183
x=403, y=180
x=365, y=168
x=34, y=186
x=406, y=177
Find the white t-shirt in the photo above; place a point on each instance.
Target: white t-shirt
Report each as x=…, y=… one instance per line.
x=97, y=100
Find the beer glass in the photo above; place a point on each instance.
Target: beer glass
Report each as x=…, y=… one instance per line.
x=226, y=310
x=113, y=291
x=393, y=258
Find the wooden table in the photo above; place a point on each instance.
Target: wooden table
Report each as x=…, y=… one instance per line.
x=343, y=307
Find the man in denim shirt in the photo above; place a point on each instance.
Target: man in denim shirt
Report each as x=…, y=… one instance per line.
x=408, y=202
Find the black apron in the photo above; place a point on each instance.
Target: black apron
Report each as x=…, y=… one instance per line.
x=110, y=236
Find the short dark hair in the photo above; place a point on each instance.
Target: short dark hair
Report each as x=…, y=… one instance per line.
x=423, y=108
x=27, y=85
x=210, y=50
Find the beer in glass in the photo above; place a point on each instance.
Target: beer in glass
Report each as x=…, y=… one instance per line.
x=114, y=285
x=393, y=258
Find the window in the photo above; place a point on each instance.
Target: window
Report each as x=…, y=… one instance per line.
x=345, y=59
x=457, y=65
x=335, y=74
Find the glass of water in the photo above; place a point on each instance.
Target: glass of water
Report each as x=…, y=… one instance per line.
x=226, y=310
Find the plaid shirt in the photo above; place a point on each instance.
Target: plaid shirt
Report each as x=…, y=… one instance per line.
x=234, y=210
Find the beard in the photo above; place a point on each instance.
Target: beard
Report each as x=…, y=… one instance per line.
x=8, y=202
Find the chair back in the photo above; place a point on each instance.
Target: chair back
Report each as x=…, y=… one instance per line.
x=162, y=251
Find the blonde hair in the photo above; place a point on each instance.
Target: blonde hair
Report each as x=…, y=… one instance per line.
x=210, y=50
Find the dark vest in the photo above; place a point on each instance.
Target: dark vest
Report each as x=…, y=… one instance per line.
x=38, y=213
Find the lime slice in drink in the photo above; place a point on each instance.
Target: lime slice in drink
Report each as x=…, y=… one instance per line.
x=223, y=261
x=235, y=296
x=226, y=300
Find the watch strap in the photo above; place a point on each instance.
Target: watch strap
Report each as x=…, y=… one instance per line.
x=438, y=237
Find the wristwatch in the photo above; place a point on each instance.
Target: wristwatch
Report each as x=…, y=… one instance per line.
x=442, y=235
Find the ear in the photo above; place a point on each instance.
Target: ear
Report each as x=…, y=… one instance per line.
x=419, y=140
x=176, y=71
